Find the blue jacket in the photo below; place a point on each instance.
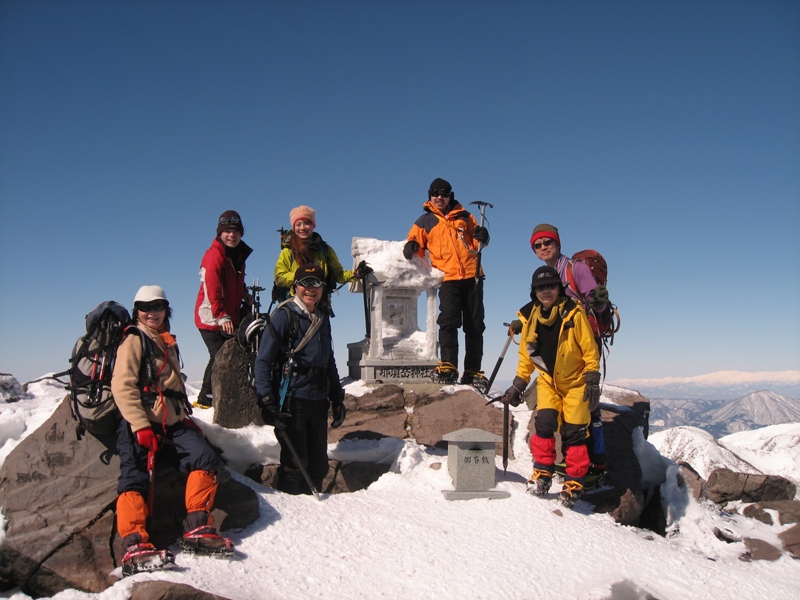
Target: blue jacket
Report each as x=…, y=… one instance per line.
x=315, y=376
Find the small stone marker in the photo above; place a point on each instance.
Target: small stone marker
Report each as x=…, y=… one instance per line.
x=470, y=462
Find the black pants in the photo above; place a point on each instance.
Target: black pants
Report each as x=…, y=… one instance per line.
x=461, y=304
x=308, y=432
x=183, y=446
x=213, y=341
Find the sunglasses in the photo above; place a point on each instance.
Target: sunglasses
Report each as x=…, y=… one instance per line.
x=545, y=242
x=443, y=193
x=155, y=306
x=546, y=287
x=226, y=220
x=310, y=283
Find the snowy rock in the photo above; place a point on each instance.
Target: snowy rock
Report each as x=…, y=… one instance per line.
x=59, y=496
x=10, y=389
x=342, y=478
x=423, y=412
x=788, y=511
x=624, y=414
x=724, y=485
x=699, y=449
x=791, y=540
x=157, y=590
x=758, y=549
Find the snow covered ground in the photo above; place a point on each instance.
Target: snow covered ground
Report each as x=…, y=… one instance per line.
x=402, y=538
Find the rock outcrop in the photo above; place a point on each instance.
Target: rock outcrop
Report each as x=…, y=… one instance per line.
x=59, y=497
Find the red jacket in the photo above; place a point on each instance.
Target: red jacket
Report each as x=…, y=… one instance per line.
x=222, y=290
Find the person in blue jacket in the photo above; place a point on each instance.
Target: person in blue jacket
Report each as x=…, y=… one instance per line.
x=300, y=333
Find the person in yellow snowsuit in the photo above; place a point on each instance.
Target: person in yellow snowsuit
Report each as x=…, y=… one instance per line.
x=557, y=340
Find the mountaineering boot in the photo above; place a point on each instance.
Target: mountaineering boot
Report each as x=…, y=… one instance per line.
x=203, y=400
x=446, y=373
x=206, y=540
x=595, y=477
x=540, y=481
x=476, y=379
x=571, y=492
x=143, y=558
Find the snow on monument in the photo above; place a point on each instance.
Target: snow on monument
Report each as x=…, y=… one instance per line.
x=394, y=348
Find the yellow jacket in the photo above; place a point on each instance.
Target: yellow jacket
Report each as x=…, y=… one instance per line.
x=576, y=354
x=286, y=266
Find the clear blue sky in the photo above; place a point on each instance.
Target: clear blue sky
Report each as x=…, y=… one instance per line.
x=664, y=134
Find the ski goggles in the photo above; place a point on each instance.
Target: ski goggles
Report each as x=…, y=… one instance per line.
x=546, y=242
x=441, y=192
x=154, y=306
x=226, y=220
x=546, y=287
x=310, y=282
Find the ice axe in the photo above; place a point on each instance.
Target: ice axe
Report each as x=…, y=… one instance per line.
x=284, y=436
x=482, y=208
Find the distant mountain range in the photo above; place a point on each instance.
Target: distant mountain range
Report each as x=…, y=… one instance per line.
x=722, y=417
x=722, y=385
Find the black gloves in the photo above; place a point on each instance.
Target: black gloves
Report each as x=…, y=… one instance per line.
x=599, y=297
x=270, y=412
x=338, y=410
x=481, y=234
x=362, y=270
x=592, y=392
x=513, y=395
x=410, y=249
x=516, y=326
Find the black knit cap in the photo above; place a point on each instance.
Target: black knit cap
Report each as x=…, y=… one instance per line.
x=230, y=219
x=440, y=184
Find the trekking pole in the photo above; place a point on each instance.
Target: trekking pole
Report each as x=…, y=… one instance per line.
x=285, y=438
x=482, y=206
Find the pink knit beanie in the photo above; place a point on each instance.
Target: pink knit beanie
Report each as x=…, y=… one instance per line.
x=303, y=212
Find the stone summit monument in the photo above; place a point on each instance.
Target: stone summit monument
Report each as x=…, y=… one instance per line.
x=394, y=349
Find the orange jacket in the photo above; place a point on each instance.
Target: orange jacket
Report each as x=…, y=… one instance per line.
x=448, y=239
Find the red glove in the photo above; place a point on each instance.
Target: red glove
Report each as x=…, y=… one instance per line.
x=147, y=438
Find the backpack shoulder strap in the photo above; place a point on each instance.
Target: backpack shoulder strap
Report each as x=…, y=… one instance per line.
x=147, y=368
x=571, y=281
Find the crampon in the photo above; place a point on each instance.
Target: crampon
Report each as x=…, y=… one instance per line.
x=445, y=373
x=477, y=380
x=206, y=540
x=144, y=558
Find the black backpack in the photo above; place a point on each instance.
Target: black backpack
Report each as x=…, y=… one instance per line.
x=92, y=364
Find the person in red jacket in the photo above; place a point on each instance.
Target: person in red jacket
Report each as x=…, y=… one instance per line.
x=222, y=293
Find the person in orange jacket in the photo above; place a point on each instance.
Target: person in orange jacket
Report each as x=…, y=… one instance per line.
x=155, y=419
x=453, y=239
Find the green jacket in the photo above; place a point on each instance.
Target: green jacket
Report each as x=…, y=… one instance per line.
x=286, y=266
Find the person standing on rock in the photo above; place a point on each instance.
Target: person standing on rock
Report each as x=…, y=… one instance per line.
x=557, y=341
x=151, y=398
x=222, y=294
x=546, y=244
x=297, y=380
x=453, y=239
x=302, y=245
